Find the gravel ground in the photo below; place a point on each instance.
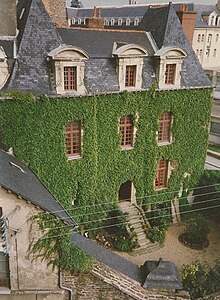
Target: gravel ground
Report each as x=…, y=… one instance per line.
x=176, y=252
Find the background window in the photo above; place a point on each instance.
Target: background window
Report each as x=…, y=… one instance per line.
x=130, y=76
x=73, y=138
x=70, y=82
x=164, y=132
x=161, y=179
x=126, y=130
x=170, y=73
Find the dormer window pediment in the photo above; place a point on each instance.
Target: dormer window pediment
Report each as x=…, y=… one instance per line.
x=69, y=65
x=130, y=65
x=170, y=65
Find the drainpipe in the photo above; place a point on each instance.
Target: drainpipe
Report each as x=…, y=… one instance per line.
x=63, y=287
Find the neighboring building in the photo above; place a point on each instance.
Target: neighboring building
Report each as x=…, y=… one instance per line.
x=23, y=196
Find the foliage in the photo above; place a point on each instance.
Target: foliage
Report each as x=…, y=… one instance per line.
x=200, y=279
x=159, y=218
x=34, y=127
x=116, y=225
x=196, y=232
x=55, y=247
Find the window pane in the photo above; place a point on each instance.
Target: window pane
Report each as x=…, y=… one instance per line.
x=130, y=76
x=126, y=130
x=70, y=78
x=164, y=132
x=170, y=73
x=161, y=179
x=73, y=138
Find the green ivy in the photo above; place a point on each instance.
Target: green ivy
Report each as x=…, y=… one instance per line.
x=34, y=127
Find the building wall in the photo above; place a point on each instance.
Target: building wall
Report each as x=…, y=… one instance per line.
x=26, y=274
x=208, y=51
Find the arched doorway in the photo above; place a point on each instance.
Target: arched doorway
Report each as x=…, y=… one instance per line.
x=127, y=192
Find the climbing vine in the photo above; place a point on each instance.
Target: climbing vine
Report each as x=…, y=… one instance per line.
x=34, y=127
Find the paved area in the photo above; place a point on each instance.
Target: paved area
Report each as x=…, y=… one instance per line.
x=212, y=163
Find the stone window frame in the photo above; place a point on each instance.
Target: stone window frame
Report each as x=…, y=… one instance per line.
x=126, y=128
x=129, y=55
x=68, y=56
x=120, y=21
x=165, y=56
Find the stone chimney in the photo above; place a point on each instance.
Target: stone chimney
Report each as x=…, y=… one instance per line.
x=131, y=2
x=188, y=20
x=8, y=18
x=57, y=11
x=218, y=5
x=95, y=22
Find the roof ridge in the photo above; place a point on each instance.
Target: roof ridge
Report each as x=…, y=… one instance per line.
x=99, y=29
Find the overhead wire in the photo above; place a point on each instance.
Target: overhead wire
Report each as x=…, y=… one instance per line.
x=138, y=198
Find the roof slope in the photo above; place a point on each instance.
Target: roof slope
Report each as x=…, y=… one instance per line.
x=39, y=38
x=99, y=43
x=18, y=178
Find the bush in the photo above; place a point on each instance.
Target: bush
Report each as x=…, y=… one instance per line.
x=156, y=234
x=196, y=233
x=200, y=279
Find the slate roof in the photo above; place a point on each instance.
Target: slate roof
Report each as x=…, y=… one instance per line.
x=32, y=72
x=162, y=275
x=18, y=178
x=99, y=44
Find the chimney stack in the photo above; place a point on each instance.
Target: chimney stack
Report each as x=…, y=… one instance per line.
x=95, y=22
x=57, y=11
x=8, y=18
x=218, y=5
x=188, y=20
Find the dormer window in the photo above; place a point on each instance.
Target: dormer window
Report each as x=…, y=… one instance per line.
x=112, y=22
x=128, y=22
x=169, y=67
x=136, y=22
x=69, y=64
x=129, y=65
x=106, y=22
x=119, y=22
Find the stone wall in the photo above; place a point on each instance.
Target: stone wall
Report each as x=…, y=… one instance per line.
x=107, y=284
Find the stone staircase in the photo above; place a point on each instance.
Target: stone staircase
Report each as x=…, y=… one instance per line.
x=137, y=221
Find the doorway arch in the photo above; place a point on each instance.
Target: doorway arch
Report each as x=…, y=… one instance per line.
x=127, y=192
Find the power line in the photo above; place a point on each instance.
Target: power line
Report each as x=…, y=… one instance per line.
x=150, y=218
x=113, y=203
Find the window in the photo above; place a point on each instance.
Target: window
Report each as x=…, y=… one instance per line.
x=199, y=37
x=200, y=52
x=130, y=76
x=214, y=52
x=70, y=82
x=79, y=21
x=73, y=139
x=126, y=130
x=106, y=22
x=197, y=52
x=170, y=73
x=119, y=22
x=203, y=37
x=128, y=22
x=209, y=40
x=162, y=170
x=207, y=53
x=217, y=37
x=164, y=132
x=112, y=22
x=136, y=22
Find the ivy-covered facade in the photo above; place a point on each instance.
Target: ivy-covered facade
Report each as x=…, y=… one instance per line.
x=96, y=77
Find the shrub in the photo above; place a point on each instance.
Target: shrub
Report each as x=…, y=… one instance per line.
x=200, y=279
x=196, y=233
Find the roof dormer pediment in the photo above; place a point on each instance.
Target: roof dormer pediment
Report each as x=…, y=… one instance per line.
x=171, y=52
x=129, y=50
x=65, y=52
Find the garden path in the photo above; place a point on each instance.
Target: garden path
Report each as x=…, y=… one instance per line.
x=176, y=252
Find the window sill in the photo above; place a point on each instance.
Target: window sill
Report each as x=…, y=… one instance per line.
x=127, y=148
x=74, y=157
x=160, y=188
x=164, y=143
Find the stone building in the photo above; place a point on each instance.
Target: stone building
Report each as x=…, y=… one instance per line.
x=23, y=196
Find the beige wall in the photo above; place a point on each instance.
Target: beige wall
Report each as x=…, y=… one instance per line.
x=25, y=273
x=212, y=60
